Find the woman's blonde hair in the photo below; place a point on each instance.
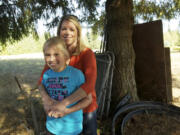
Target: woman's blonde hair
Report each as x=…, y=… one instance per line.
x=71, y=18
x=57, y=42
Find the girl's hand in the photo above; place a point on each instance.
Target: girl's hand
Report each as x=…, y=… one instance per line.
x=56, y=114
x=58, y=110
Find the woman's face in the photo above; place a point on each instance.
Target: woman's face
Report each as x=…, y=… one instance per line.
x=69, y=34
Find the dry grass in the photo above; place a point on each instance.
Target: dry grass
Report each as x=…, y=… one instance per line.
x=151, y=124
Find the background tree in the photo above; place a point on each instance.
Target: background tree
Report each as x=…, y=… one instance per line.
x=19, y=18
x=120, y=17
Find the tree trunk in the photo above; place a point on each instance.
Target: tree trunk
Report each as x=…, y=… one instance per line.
x=119, y=28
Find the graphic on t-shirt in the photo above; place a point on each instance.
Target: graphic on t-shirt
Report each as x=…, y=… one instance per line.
x=57, y=87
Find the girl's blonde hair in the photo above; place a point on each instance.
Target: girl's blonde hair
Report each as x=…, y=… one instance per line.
x=71, y=18
x=57, y=42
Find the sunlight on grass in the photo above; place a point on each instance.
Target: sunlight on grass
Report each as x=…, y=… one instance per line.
x=27, y=45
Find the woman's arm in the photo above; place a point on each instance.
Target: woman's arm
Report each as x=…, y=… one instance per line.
x=74, y=97
x=79, y=95
x=80, y=105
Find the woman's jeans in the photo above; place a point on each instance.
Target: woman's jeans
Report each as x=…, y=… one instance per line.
x=89, y=123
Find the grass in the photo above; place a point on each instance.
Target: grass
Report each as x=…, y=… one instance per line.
x=27, y=45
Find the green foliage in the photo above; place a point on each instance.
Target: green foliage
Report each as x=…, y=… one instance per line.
x=19, y=17
x=47, y=35
x=92, y=40
x=99, y=25
x=152, y=9
x=16, y=20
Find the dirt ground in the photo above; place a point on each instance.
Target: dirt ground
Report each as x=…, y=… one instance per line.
x=19, y=109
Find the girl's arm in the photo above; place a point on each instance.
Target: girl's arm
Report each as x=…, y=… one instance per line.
x=47, y=101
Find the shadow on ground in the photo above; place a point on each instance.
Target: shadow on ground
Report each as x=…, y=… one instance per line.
x=18, y=77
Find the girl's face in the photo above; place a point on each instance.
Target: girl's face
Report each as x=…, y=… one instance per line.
x=69, y=34
x=55, y=59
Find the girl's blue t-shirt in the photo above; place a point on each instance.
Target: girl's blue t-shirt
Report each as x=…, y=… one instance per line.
x=60, y=85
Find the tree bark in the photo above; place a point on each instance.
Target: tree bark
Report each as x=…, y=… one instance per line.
x=118, y=33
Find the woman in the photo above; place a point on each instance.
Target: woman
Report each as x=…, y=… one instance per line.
x=83, y=58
